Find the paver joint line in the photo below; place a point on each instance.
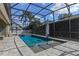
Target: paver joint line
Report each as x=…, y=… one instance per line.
x=70, y=48
x=17, y=47
x=70, y=52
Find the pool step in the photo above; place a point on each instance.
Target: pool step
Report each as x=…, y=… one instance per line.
x=43, y=46
x=36, y=49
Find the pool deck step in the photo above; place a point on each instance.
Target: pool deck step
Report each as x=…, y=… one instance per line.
x=58, y=39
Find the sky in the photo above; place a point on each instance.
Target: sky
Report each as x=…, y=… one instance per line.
x=74, y=10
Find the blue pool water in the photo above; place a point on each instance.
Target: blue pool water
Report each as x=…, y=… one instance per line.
x=32, y=40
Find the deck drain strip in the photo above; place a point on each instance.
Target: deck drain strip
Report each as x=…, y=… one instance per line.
x=17, y=47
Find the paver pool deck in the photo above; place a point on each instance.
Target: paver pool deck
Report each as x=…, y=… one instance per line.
x=14, y=46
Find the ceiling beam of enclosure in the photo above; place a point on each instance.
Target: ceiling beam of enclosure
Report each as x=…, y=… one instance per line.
x=59, y=9
x=37, y=6
x=14, y=5
x=24, y=10
x=42, y=9
x=31, y=12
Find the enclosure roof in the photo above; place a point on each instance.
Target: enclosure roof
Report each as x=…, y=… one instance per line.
x=39, y=10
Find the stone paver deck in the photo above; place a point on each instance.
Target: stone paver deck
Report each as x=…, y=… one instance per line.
x=14, y=46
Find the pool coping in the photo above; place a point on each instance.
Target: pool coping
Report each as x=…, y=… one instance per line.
x=26, y=47
x=70, y=48
x=56, y=39
x=54, y=51
x=23, y=46
x=28, y=52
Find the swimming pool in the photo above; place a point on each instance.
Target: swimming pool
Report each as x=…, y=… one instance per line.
x=33, y=40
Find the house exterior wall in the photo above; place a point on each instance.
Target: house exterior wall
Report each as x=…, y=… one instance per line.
x=4, y=20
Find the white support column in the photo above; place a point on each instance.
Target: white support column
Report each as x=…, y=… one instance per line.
x=47, y=28
x=8, y=31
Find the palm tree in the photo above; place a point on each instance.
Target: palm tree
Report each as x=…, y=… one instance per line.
x=27, y=14
x=34, y=22
x=34, y=25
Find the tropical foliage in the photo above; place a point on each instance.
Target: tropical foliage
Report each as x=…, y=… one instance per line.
x=34, y=22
